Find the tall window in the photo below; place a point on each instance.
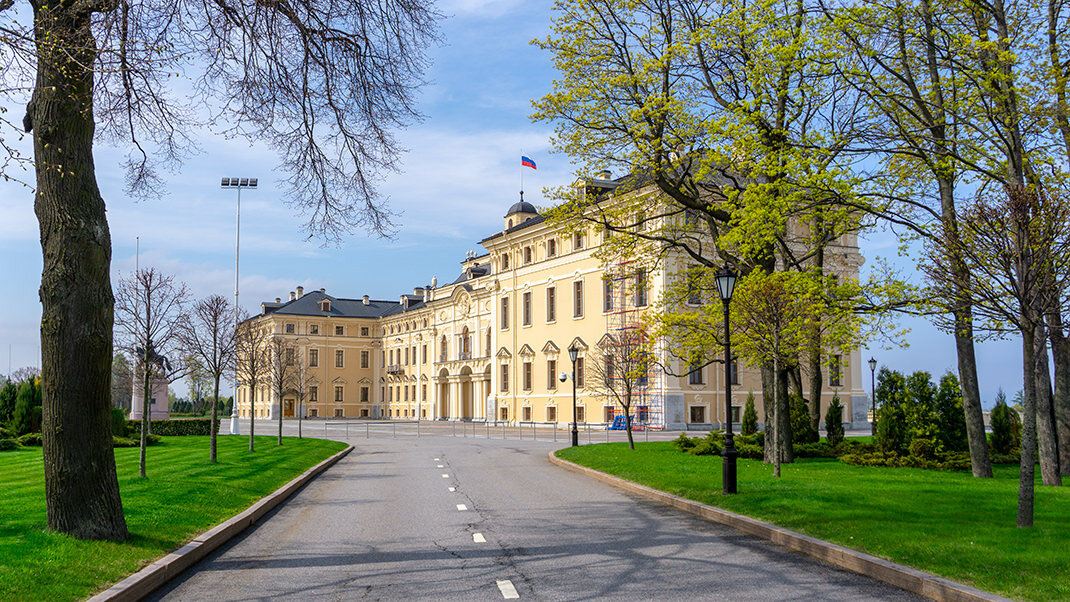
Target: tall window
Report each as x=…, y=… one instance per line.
x=406, y=356
x=314, y=329
x=607, y=295
x=364, y=394
x=694, y=294
x=365, y=358
x=488, y=342
x=505, y=313
x=577, y=241
x=505, y=261
x=290, y=356
x=391, y=357
x=313, y=358
x=339, y=330
x=339, y=393
x=640, y=288
x=527, y=376
x=526, y=414
x=551, y=248
x=505, y=378
x=835, y=371
x=527, y=308
x=289, y=329
x=444, y=348
x=313, y=393
x=423, y=392
x=733, y=371
x=527, y=255
x=609, y=367
x=579, y=372
x=551, y=304
x=339, y=358
x=423, y=353
x=694, y=375
x=577, y=299
x=551, y=414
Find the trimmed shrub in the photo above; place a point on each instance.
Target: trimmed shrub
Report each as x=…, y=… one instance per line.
x=951, y=420
x=683, y=442
x=8, y=444
x=173, y=428
x=891, y=429
x=749, y=426
x=30, y=440
x=752, y=439
x=750, y=451
x=834, y=422
x=22, y=419
x=923, y=448
x=123, y=442
x=710, y=445
x=801, y=429
x=1006, y=430
x=119, y=427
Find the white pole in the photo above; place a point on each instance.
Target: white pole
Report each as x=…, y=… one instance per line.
x=234, y=429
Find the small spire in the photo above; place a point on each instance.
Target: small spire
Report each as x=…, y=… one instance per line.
x=521, y=196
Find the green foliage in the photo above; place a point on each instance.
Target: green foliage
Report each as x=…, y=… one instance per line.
x=7, y=401
x=891, y=429
x=954, y=461
x=119, y=427
x=8, y=444
x=750, y=451
x=152, y=439
x=950, y=418
x=922, y=448
x=802, y=430
x=1006, y=429
x=31, y=440
x=173, y=428
x=834, y=421
x=4, y=432
x=891, y=388
x=707, y=446
x=683, y=442
x=22, y=419
x=749, y=426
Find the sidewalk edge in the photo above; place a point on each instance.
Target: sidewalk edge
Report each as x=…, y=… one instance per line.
x=886, y=571
x=148, y=579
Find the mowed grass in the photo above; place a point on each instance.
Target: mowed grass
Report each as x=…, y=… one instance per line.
x=946, y=523
x=183, y=495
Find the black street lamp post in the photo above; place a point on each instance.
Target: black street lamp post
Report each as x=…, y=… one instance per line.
x=726, y=283
x=873, y=395
x=572, y=353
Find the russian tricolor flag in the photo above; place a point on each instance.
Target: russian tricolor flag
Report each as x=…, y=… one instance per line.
x=524, y=161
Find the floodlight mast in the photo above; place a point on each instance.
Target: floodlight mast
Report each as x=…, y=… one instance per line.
x=236, y=184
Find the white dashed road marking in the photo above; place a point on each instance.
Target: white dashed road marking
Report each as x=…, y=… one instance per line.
x=462, y=507
x=437, y=460
x=508, y=591
x=445, y=476
x=440, y=466
x=452, y=489
x=478, y=538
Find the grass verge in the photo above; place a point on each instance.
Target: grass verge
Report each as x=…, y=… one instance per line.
x=947, y=523
x=183, y=495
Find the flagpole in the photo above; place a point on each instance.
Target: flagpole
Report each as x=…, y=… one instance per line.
x=521, y=175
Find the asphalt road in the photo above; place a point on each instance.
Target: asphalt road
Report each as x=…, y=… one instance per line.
x=463, y=518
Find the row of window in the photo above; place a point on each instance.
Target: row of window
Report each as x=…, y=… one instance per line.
x=313, y=329
x=339, y=358
x=610, y=290
x=402, y=393
x=527, y=254
x=527, y=375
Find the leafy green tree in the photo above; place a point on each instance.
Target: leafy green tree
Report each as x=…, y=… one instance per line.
x=891, y=388
x=22, y=419
x=918, y=409
x=801, y=429
x=7, y=401
x=749, y=426
x=951, y=420
x=1006, y=427
x=834, y=421
x=891, y=429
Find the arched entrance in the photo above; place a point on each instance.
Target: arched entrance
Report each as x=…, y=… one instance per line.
x=443, y=410
x=466, y=406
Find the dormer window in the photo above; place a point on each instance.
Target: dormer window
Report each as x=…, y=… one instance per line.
x=510, y=224
x=325, y=305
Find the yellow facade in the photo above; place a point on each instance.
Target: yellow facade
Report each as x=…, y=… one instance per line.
x=492, y=344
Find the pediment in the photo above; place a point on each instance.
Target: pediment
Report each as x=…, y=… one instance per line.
x=503, y=353
x=550, y=348
x=526, y=350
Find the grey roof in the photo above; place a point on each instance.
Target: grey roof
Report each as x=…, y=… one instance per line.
x=521, y=207
x=309, y=305
x=538, y=219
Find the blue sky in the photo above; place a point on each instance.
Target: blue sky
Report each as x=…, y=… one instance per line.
x=460, y=174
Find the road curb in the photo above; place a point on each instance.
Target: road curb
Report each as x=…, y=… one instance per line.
x=148, y=579
x=901, y=576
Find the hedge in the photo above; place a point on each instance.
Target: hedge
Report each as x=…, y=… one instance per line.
x=173, y=428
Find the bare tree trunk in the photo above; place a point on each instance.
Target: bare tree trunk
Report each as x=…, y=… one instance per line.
x=252, y=413
x=1049, y=453
x=1029, y=431
x=146, y=416
x=776, y=417
x=768, y=403
x=980, y=462
x=280, y=421
x=81, y=486
x=1060, y=351
x=816, y=380
x=215, y=421
x=783, y=420
x=628, y=425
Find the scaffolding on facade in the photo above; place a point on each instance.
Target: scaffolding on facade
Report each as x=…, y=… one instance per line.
x=628, y=354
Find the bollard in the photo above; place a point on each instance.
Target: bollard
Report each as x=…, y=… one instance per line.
x=418, y=428
x=367, y=430
x=533, y=436
x=487, y=422
x=395, y=429
x=503, y=431
x=347, y=430
x=555, y=432
x=324, y=428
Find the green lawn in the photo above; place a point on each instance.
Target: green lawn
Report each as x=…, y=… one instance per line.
x=182, y=496
x=946, y=523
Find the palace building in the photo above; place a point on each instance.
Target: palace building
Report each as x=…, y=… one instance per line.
x=492, y=344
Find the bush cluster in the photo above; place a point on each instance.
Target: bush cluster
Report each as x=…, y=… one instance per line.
x=834, y=421
x=31, y=440
x=802, y=430
x=8, y=444
x=749, y=426
x=957, y=461
x=152, y=439
x=173, y=428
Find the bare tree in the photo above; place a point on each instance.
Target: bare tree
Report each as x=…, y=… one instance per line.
x=150, y=308
x=208, y=334
x=251, y=364
x=325, y=82
x=280, y=371
x=622, y=375
x=303, y=379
